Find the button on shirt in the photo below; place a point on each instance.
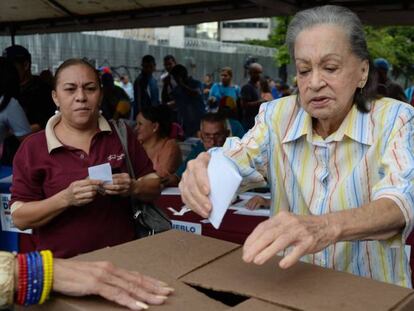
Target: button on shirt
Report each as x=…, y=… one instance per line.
x=369, y=157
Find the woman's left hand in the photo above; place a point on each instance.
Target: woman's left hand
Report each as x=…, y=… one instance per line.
x=121, y=185
x=305, y=234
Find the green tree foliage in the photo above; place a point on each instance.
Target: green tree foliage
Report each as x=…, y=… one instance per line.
x=277, y=40
x=395, y=43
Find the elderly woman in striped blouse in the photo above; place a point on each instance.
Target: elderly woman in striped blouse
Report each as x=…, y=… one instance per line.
x=339, y=159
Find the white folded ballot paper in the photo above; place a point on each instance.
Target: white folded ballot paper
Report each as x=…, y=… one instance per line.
x=224, y=181
x=101, y=172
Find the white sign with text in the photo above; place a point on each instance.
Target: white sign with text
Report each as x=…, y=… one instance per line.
x=5, y=214
x=186, y=226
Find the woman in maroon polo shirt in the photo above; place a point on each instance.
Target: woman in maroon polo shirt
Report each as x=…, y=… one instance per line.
x=51, y=192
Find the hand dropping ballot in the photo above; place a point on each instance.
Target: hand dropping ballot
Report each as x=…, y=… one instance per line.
x=101, y=172
x=224, y=181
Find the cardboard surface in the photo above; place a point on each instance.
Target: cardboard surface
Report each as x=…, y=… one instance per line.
x=255, y=304
x=167, y=255
x=209, y=274
x=302, y=287
x=406, y=305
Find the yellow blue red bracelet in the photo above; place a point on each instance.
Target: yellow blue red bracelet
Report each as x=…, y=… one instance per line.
x=47, y=259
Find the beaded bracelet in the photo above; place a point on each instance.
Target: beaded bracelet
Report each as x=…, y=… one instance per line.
x=22, y=285
x=35, y=277
x=47, y=275
x=30, y=276
x=38, y=281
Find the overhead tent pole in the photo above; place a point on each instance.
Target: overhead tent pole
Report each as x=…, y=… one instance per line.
x=12, y=31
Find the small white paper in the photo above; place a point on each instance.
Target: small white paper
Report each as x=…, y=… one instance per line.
x=224, y=181
x=248, y=195
x=239, y=204
x=181, y=212
x=101, y=172
x=171, y=191
x=261, y=212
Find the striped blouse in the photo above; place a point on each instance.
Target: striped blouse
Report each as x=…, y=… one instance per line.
x=369, y=157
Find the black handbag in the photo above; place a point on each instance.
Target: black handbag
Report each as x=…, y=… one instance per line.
x=148, y=219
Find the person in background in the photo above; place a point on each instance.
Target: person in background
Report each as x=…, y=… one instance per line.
x=275, y=87
x=13, y=120
x=123, y=113
x=207, y=84
x=233, y=125
x=386, y=86
x=224, y=93
x=188, y=100
x=285, y=90
x=257, y=202
x=51, y=191
x=145, y=86
x=339, y=160
x=153, y=129
x=265, y=91
x=112, y=96
x=47, y=77
x=166, y=79
x=35, y=95
x=250, y=96
x=409, y=93
x=74, y=278
x=213, y=133
x=127, y=87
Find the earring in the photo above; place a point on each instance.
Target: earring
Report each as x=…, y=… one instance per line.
x=361, y=86
x=100, y=112
x=57, y=110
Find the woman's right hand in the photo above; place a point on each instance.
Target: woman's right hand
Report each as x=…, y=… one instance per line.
x=81, y=192
x=195, y=187
x=126, y=288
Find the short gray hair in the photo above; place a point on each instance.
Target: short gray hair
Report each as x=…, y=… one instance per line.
x=351, y=25
x=329, y=14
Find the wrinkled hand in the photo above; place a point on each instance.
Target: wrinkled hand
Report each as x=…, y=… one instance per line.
x=126, y=288
x=305, y=234
x=82, y=192
x=195, y=187
x=121, y=185
x=256, y=202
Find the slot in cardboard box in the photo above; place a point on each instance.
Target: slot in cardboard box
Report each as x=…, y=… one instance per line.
x=209, y=274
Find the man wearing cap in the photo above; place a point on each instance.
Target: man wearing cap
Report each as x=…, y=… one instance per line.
x=386, y=86
x=35, y=95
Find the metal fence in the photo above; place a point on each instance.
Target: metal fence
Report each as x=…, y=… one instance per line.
x=211, y=45
x=124, y=55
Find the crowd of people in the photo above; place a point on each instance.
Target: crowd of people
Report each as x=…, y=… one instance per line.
x=335, y=151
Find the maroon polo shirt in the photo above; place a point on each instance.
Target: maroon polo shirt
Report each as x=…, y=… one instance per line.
x=43, y=166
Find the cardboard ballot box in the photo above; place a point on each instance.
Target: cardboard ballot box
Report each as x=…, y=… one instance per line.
x=209, y=274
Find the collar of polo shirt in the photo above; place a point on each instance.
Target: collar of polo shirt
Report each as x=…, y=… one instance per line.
x=51, y=139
